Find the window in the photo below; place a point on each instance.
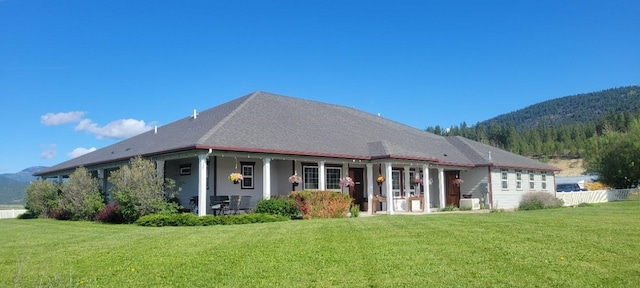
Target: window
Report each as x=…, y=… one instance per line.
x=333, y=178
x=412, y=186
x=310, y=176
x=544, y=180
x=395, y=183
x=505, y=178
x=247, y=174
x=519, y=179
x=532, y=183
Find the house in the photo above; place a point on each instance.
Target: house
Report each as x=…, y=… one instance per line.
x=268, y=138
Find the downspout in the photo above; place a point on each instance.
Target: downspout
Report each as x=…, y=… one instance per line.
x=490, y=189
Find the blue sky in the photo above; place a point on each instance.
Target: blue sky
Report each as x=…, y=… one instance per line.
x=80, y=75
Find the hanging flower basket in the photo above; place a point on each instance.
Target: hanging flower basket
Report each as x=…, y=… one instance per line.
x=295, y=179
x=235, y=178
x=457, y=181
x=346, y=182
x=380, y=180
x=417, y=180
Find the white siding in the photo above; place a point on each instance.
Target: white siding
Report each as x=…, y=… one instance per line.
x=510, y=198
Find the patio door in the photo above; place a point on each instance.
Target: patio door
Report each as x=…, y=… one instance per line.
x=357, y=191
x=452, y=189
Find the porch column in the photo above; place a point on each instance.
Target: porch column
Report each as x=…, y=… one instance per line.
x=266, y=178
x=427, y=193
x=202, y=184
x=389, y=187
x=369, y=187
x=441, y=188
x=322, y=177
x=407, y=185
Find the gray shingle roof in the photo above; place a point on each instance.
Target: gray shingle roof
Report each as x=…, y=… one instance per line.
x=269, y=123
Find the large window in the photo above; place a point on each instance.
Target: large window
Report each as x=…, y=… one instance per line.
x=247, y=174
x=519, y=179
x=333, y=178
x=504, y=174
x=311, y=177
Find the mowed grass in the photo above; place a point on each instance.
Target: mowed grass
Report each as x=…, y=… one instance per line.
x=569, y=247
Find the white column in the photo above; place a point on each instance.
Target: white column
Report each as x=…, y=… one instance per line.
x=389, y=187
x=407, y=186
x=202, y=184
x=266, y=178
x=442, y=186
x=427, y=193
x=322, y=177
x=369, y=187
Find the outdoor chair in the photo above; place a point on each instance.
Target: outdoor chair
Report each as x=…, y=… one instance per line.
x=234, y=203
x=245, y=204
x=218, y=204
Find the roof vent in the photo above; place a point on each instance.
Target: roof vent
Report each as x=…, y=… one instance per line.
x=195, y=114
x=489, y=155
x=155, y=129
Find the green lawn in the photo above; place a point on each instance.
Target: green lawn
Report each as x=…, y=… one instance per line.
x=569, y=247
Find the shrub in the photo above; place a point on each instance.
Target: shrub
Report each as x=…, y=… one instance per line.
x=448, y=208
x=110, y=214
x=322, y=204
x=80, y=196
x=42, y=197
x=596, y=186
x=27, y=215
x=279, y=206
x=60, y=214
x=190, y=219
x=355, y=210
x=539, y=200
x=139, y=191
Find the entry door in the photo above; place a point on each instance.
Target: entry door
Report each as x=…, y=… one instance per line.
x=452, y=190
x=357, y=191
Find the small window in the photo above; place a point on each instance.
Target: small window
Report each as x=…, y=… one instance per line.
x=532, y=182
x=395, y=183
x=519, y=179
x=544, y=180
x=247, y=174
x=504, y=174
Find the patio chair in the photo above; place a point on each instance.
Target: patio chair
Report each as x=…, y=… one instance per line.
x=245, y=204
x=218, y=203
x=234, y=203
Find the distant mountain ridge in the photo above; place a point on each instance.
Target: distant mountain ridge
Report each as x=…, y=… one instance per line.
x=575, y=109
x=13, y=185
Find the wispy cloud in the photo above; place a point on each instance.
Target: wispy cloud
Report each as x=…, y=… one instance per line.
x=49, y=151
x=80, y=151
x=118, y=129
x=53, y=119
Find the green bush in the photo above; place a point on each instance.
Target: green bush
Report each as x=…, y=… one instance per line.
x=539, y=200
x=42, y=197
x=448, y=208
x=355, y=210
x=278, y=206
x=80, y=196
x=190, y=219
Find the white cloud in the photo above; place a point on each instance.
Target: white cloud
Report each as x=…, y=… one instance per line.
x=49, y=151
x=80, y=151
x=51, y=119
x=122, y=128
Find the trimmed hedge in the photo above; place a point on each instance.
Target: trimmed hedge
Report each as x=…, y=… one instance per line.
x=278, y=206
x=190, y=219
x=322, y=204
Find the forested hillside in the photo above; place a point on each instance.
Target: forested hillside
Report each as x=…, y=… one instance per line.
x=561, y=127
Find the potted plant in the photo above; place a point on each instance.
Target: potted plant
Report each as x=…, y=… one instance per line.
x=235, y=177
x=457, y=181
x=346, y=182
x=380, y=180
x=295, y=179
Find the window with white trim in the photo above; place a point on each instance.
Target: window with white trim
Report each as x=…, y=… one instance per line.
x=518, y=179
x=333, y=177
x=532, y=182
x=504, y=175
x=311, y=178
x=544, y=180
x=395, y=183
x=247, y=174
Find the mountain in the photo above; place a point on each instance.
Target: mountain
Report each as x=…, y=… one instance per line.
x=574, y=109
x=13, y=185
